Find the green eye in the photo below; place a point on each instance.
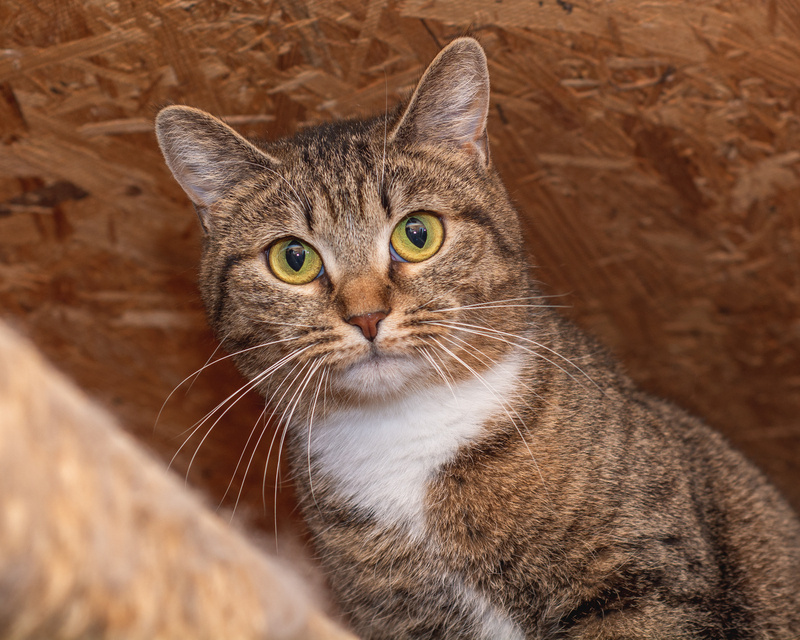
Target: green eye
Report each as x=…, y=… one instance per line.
x=293, y=261
x=417, y=237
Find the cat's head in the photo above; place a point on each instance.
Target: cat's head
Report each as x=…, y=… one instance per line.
x=365, y=257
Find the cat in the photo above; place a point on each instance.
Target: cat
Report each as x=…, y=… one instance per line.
x=98, y=541
x=470, y=464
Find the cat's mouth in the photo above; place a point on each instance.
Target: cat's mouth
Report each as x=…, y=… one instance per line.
x=379, y=374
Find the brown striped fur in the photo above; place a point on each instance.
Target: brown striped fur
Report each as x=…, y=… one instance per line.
x=583, y=508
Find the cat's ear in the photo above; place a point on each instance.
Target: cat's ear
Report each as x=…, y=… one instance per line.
x=206, y=156
x=451, y=102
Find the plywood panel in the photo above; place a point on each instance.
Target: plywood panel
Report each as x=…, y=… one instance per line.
x=653, y=150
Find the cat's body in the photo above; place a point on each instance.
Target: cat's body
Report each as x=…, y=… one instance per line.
x=617, y=516
x=470, y=465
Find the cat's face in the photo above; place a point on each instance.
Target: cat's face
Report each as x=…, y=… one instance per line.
x=360, y=259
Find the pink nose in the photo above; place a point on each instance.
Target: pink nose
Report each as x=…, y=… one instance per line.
x=368, y=323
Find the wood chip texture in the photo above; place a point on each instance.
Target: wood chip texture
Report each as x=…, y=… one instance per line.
x=653, y=149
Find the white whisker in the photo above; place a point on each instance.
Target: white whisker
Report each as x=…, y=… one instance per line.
x=231, y=400
x=261, y=416
x=281, y=362
x=209, y=364
x=482, y=380
x=502, y=403
x=502, y=306
x=505, y=303
x=487, y=360
x=322, y=378
x=197, y=373
x=246, y=387
x=426, y=354
x=286, y=420
x=496, y=334
x=285, y=324
x=268, y=422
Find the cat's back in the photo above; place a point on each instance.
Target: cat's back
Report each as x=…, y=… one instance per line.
x=744, y=522
x=650, y=494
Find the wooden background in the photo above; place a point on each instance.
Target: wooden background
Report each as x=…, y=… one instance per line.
x=653, y=148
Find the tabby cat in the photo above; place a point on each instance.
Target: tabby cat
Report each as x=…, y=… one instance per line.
x=469, y=463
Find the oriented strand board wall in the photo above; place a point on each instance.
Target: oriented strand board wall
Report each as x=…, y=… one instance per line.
x=653, y=147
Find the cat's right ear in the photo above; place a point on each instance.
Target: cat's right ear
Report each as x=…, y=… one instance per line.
x=206, y=157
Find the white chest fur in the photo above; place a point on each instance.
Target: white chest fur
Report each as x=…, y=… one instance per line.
x=382, y=458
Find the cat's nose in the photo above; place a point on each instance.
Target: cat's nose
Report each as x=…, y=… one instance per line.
x=368, y=323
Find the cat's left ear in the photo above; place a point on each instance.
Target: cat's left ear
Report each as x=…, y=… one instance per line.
x=207, y=157
x=451, y=102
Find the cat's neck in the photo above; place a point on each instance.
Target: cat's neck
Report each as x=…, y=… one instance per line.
x=381, y=458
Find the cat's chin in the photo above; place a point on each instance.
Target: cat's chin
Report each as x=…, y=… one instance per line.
x=379, y=376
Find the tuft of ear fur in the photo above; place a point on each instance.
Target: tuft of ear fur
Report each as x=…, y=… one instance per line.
x=206, y=156
x=451, y=102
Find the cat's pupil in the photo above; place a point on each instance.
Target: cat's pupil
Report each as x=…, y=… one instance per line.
x=295, y=255
x=416, y=232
